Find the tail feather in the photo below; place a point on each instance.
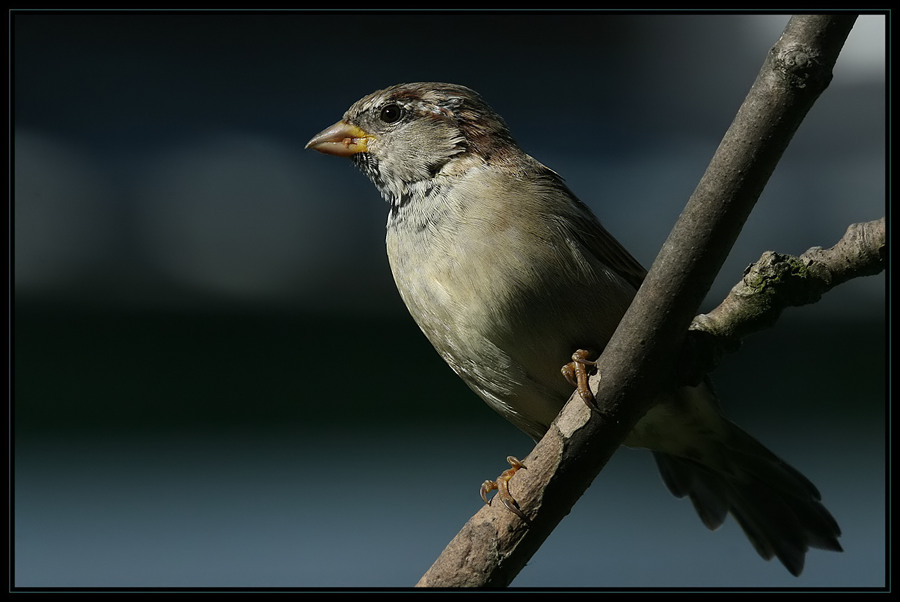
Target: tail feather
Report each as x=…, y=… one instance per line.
x=777, y=507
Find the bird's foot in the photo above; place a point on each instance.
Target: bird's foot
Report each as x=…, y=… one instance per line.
x=576, y=372
x=502, y=487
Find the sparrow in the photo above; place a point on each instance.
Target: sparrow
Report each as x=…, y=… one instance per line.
x=510, y=276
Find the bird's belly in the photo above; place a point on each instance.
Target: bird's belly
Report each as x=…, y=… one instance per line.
x=504, y=328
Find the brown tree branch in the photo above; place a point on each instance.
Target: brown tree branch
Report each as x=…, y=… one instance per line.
x=640, y=360
x=774, y=283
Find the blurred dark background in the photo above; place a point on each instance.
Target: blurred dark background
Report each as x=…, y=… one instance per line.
x=215, y=381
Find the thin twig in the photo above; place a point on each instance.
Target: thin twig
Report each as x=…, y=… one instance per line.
x=774, y=283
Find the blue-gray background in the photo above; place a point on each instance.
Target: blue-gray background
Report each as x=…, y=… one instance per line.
x=216, y=383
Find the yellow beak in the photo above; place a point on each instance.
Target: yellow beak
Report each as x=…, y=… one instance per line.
x=341, y=139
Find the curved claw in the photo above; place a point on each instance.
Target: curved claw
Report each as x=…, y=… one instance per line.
x=577, y=375
x=569, y=372
x=486, y=488
x=502, y=487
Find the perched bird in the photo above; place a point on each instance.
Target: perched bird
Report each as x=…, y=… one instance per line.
x=508, y=274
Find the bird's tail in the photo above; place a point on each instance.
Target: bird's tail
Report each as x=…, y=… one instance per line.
x=777, y=507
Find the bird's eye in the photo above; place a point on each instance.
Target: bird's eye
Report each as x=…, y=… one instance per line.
x=390, y=113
